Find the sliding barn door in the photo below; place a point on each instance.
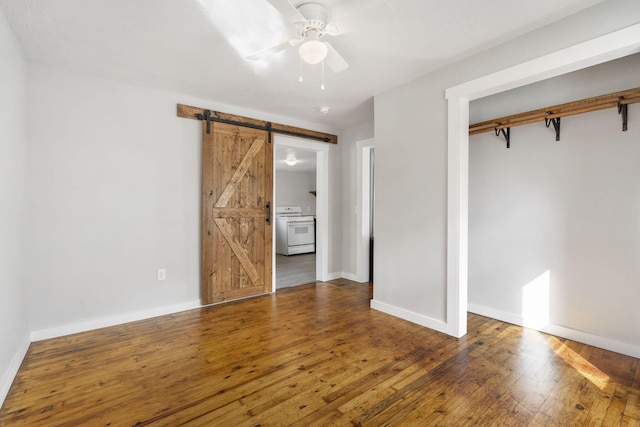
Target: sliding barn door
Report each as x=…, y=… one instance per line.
x=237, y=181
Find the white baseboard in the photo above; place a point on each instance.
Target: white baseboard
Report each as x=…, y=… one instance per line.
x=353, y=277
x=9, y=375
x=495, y=314
x=411, y=316
x=333, y=276
x=560, y=331
x=104, y=322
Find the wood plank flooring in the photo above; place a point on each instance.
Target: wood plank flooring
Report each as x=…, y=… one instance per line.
x=317, y=355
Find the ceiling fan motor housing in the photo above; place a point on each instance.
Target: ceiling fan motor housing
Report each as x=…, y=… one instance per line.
x=316, y=15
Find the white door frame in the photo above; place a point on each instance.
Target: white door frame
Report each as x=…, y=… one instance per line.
x=614, y=45
x=363, y=185
x=322, y=201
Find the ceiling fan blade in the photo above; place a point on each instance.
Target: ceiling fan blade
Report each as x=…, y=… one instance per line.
x=334, y=60
x=287, y=10
x=261, y=54
x=366, y=19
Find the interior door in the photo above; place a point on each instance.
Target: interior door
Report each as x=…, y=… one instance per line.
x=237, y=184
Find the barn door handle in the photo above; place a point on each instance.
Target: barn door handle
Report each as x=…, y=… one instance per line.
x=268, y=212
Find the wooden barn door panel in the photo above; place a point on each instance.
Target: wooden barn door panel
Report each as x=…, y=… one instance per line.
x=237, y=181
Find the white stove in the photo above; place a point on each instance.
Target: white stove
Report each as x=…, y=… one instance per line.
x=295, y=233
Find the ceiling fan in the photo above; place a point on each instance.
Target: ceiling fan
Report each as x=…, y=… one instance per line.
x=311, y=22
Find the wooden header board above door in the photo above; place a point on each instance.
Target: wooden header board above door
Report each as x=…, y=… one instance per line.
x=189, y=112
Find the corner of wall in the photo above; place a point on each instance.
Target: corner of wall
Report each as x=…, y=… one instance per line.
x=411, y=316
x=14, y=335
x=12, y=370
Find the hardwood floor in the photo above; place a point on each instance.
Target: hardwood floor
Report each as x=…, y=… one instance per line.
x=317, y=355
x=295, y=270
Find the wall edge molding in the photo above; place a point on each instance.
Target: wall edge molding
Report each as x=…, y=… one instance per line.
x=103, y=322
x=353, y=277
x=333, y=276
x=12, y=370
x=410, y=316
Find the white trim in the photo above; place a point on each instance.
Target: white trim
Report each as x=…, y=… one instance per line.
x=12, y=369
x=410, y=316
x=496, y=314
x=560, y=331
x=352, y=277
x=333, y=276
x=103, y=322
x=615, y=45
x=322, y=201
x=363, y=184
x=322, y=214
x=457, y=213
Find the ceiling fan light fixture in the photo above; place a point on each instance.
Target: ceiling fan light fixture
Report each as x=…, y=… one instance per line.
x=313, y=51
x=291, y=161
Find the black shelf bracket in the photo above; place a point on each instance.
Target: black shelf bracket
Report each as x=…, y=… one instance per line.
x=622, y=110
x=556, y=125
x=506, y=134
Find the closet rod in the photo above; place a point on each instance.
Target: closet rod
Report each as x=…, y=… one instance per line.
x=596, y=103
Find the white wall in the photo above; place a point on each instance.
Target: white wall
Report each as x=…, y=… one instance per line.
x=411, y=159
x=14, y=331
x=114, y=182
x=350, y=235
x=609, y=77
x=565, y=211
x=335, y=209
x=410, y=185
x=292, y=189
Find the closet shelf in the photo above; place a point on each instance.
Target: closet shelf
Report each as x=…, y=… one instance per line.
x=616, y=99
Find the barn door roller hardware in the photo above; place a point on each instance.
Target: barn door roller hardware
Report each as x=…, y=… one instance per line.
x=556, y=125
x=206, y=116
x=211, y=117
x=622, y=110
x=551, y=115
x=507, y=135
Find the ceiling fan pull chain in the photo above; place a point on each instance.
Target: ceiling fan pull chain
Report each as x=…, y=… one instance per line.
x=300, y=68
x=322, y=85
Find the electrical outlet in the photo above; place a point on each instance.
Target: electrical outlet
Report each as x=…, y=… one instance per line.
x=162, y=274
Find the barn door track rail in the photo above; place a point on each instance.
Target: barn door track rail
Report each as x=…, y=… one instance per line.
x=552, y=115
x=189, y=112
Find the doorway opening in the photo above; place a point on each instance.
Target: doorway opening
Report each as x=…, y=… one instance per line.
x=365, y=210
x=611, y=46
x=301, y=211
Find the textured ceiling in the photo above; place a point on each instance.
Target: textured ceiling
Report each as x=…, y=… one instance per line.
x=198, y=46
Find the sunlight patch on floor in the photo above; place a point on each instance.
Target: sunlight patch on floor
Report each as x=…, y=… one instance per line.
x=580, y=364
